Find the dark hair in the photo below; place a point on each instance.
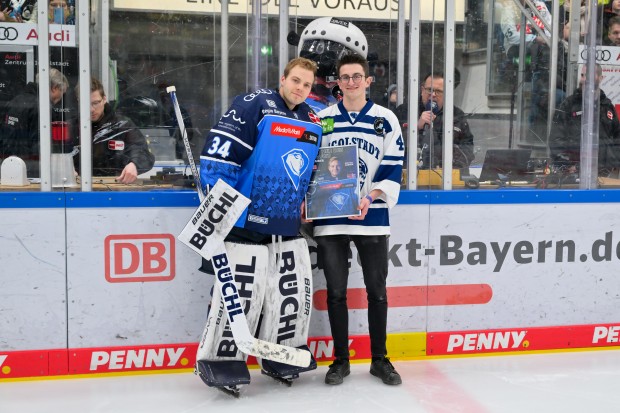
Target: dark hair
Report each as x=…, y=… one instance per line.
x=95, y=86
x=614, y=20
x=353, y=59
x=433, y=75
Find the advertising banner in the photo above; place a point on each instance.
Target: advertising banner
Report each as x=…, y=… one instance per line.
x=121, y=292
x=27, y=34
x=365, y=10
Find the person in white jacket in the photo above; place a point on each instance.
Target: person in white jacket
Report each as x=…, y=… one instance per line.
x=511, y=26
x=376, y=132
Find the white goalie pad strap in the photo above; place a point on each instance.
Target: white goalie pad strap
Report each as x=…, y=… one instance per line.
x=249, y=264
x=288, y=302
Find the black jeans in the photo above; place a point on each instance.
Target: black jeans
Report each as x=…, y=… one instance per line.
x=333, y=253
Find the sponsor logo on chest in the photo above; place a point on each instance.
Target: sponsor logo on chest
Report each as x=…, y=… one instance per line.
x=116, y=145
x=288, y=131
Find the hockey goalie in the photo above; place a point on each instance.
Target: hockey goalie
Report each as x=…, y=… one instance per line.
x=264, y=148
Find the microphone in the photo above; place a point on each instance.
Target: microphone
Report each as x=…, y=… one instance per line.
x=426, y=141
x=434, y=107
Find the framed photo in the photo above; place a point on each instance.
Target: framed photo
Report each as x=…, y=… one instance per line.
x=334, y=186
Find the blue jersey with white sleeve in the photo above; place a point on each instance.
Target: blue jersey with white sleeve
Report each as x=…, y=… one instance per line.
x=266, y=152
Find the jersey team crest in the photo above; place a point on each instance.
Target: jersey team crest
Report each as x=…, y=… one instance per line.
x=295, y=162
x=339, y=199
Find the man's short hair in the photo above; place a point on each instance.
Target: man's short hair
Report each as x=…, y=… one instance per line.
x=352, y=59
x=301, y=62
x=433, y=75
x=613, y=21
x=96, y=86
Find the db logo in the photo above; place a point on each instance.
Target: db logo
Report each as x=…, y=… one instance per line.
x=139, y=257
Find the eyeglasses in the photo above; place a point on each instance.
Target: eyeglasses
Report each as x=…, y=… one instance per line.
x=356, y=78
x=429, y=90
x=96, y=103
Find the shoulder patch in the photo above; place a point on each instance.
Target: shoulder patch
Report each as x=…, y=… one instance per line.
x=328, y=125
x=378, y=126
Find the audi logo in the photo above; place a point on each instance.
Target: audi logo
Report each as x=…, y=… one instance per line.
x=601, y=55
x=8, y=33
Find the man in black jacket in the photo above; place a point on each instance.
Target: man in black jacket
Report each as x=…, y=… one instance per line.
x=565, y=137
x=19, y=131
x=119, y=148
x=432, y=90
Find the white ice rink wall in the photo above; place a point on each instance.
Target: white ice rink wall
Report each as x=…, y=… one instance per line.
x=97, y=282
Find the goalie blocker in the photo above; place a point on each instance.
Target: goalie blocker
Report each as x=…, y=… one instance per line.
x=274, y=280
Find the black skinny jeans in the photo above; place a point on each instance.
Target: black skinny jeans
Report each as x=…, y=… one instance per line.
x=333, y=252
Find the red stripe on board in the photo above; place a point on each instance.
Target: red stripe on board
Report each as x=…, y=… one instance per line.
x=416, y=296
x=522, y=339
x=58, y=362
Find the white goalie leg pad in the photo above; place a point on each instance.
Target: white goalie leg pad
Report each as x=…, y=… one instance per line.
x=288, y=302
x=249, y=264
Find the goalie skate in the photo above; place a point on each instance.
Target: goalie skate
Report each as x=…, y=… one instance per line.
x=226, y=375
x=286, y=311
x=285, y=373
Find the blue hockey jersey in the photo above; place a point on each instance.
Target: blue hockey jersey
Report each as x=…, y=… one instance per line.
x=265, y=151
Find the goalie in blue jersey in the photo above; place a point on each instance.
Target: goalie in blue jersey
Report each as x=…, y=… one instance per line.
x=264, y=146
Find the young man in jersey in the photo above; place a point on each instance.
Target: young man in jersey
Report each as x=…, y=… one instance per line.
x=376, y=131
x=264, y=146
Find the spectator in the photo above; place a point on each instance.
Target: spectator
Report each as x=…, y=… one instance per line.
x=611, y=10
x=20, y=124
x=613, y=31
x=119, y=148
x=432, y=90
x=18, y=11
x=66, y=16
x=565, y=138
x=391, y=97
x=511, y=26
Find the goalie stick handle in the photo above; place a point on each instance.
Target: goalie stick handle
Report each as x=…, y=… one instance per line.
x=190, y=158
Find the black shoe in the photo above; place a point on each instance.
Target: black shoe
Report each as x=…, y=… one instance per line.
x=338, y=370
x=383, y=369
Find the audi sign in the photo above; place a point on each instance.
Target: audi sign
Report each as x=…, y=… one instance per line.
x=26, y=34
x=605, y=55
x=8, y=34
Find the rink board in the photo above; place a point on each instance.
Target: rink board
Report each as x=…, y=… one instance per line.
x=469, y=272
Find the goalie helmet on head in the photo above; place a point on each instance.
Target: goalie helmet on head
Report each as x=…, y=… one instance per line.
x=325, y=40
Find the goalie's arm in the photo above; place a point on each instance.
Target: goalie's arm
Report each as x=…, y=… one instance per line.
x=228, y=144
